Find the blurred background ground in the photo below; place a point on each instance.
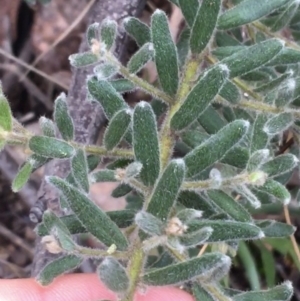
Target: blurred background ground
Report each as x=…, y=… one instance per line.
x=25, y=34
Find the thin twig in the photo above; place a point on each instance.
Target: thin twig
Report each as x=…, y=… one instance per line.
x=202, y=250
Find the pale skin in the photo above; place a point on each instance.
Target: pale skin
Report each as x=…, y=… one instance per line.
x=79, y=287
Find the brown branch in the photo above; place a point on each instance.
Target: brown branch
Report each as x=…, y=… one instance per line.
x=88, y=117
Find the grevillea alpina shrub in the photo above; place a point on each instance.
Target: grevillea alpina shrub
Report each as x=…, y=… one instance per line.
x=226, y=92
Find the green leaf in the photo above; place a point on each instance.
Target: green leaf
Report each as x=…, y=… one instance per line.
x=105, y=71
x=286, y=92
x=257, y=159
x=275, y=229
x=6, y=121
x=22, y=177
x=121, y=190
x=231, y=207
x=241, y=14
x=110, y=100
x=84, y=59
x=285, y=57
x=123, y=219
x=103, y=175
x=141, y=58
x=187, y=270
x=117, y=128
x=149, y=223
x=196, y=238
x=62, y=118
x=276, y=190
x=250, y=197
x=285, y=17
x=165, y=53
x=58, y=267
x=191, y=199
x=47, y=126
x=51, y=147
x=204, y=24
x=216, y=147
x=226, y=230
x=200, y=96
x=200, y=294
x=122, y=85
x=93, y=33
x=59, y=230
x=183, y=46
x=259, y=138
x=91, y=216
x=133, y=170
x=230, y=92
x=108, y=32
x=211, y=121
x=138, y=30
x=281, y=292
x=166, y=190
x=278, y=123
x=189, y=10
x=238, y=156
x=249, y=265
x=145, y=142
x=252, y=57
x=113, y=275
x=80, y=170
x=188, y=214
x=280, y=165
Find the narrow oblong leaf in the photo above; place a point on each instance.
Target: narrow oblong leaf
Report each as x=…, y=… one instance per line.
x=58, y=267
x=138, y=30
x=113, y=275
x=84, y=59
x=47, y=126
x=189, y=10
x=276, y=191
x=241, y=14
x=122, y=85
x=280, y=165
x=92, y=33
x=91, y=216
x=200, y=294
x=196, y=238
x=105, y=70
x=286, y=93
x=259, y=138
x=141, y=58
x=80, y=170
x=149, y=223
x=281, y=292
x=166, y=190
x=121, y=190
x=5, y=113
x=117, y=128
x=286, y=57
x=275, y=229
x=22, y=176
x=252, y=57
x=51, y=147
x=211, y=121
x=183, y=46
x=108, y=32
x=227, y=230
x=110, y=100
x=133, y=170
x=187, y=270
x=215, y=148
x=165, y=53
x=62, y=118
x=257, y=159
x=204, y=24
x=104, y=175
x=200, y=96
x=230, y=92
x=145, y=142
x=231, y=207
x=278, y=123
x=123, y=219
